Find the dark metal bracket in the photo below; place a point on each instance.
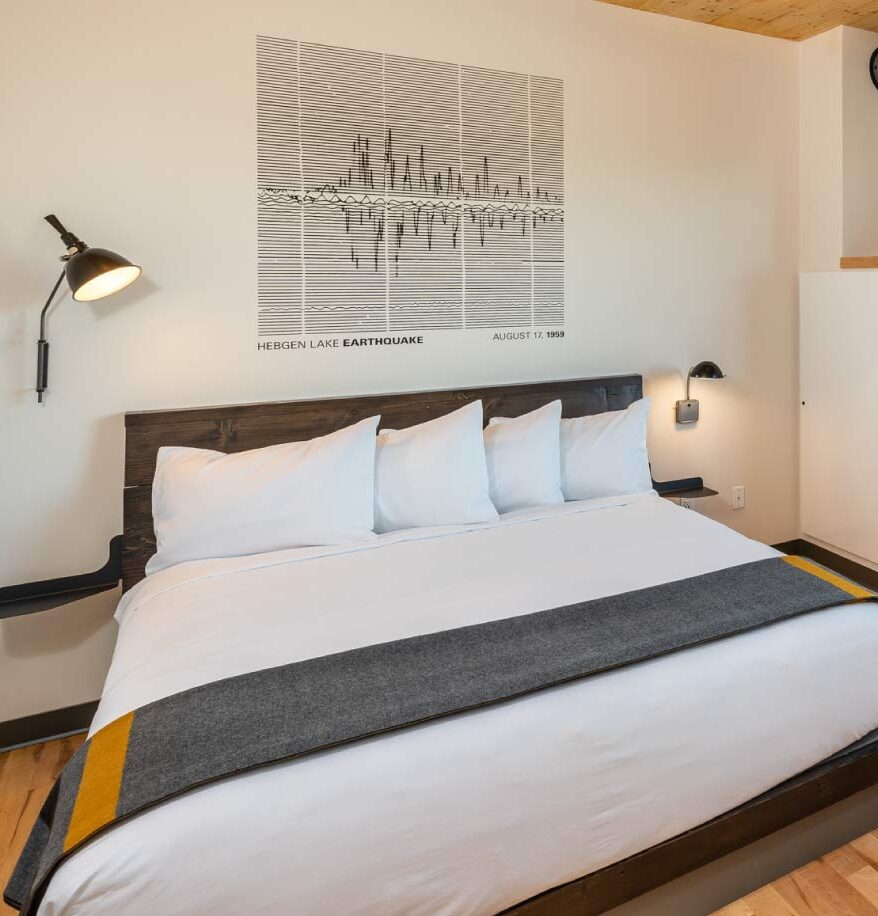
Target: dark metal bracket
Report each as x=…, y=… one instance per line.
x=30, y=597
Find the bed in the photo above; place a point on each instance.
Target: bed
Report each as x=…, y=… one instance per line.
x=571, y=800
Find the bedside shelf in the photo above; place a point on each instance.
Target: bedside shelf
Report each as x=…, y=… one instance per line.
x=685, y=488
x=693, y=493
x=31, y=597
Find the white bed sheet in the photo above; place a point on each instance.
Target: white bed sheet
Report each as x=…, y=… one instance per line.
x=473, y=813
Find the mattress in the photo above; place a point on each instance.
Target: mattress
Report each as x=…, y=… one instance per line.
x=473, y=813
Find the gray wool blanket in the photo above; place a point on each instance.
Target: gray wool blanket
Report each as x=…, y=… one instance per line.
x=220, y=729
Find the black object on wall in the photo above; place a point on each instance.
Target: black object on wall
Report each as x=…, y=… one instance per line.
x=30, y=597
x=685, y=488
x=91, y=273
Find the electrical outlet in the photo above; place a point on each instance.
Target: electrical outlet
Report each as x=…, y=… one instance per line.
x=739, y=497
x=686, y=503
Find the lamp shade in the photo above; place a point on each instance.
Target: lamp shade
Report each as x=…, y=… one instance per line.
x=98, y=272
x=706, y=369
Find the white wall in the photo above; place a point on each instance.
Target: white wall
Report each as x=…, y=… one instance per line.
x=838, y=131
x=135, y=123
x=860, y=145
x=821, y=145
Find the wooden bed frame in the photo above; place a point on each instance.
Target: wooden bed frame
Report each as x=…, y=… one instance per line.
x=239, y=427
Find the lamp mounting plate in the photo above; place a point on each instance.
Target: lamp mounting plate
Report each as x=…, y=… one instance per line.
x=687, y=411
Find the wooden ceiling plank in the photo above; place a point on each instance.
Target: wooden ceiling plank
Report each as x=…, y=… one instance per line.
x=867, y=20
x=791, y=19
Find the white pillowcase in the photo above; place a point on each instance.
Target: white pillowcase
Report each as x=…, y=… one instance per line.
x=434, y=473
x=605, y=454
x=524, y=459
x=299, y=494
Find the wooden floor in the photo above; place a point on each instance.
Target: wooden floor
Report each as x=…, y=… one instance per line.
x=26, y=775
x=843, y=883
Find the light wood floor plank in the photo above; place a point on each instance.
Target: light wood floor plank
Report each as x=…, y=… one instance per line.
x=26, y=775
x=842, y=883
x=866, y=882
x=845, y=861
x=828, y=893
x=789, y=892
x=867, y=847
x=768, y=902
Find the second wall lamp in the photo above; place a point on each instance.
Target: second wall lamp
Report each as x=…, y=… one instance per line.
x=687, y=411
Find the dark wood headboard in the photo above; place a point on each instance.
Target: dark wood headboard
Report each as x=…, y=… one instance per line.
x=244, y=426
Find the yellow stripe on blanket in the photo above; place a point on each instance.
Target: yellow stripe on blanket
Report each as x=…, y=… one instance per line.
x=854, y=590
x=101, y=781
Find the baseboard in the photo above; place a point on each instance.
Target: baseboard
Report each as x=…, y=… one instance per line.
x=794, y=546
x=842, y=565
x=57, y=723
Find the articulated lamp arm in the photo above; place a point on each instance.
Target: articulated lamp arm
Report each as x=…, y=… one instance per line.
x=43, y=345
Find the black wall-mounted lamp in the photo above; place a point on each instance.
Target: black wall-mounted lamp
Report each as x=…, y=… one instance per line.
x=92, y=273
x=687, y=411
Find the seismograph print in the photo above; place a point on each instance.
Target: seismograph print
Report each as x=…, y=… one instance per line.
x=398, y=194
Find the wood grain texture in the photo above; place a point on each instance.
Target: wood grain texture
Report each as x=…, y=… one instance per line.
x=26, y=776
x=791, y=19
x=244, y=426
x=842, y=883
x=859, y=263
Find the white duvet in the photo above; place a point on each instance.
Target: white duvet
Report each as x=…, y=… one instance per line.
x=473, y=813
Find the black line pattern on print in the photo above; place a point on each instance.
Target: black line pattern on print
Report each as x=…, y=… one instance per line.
x=404, y=194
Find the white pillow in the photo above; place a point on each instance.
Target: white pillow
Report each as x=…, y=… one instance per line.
x=299, y=494
x=434, y=473
x=605, y=454
x=524, y=459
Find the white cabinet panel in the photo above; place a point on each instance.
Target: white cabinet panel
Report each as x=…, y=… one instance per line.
x=839, y=419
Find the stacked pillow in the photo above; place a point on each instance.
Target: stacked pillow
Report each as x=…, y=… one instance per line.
x=605, y=454
x=348, y=485
x=434, y=473
x=524, y=459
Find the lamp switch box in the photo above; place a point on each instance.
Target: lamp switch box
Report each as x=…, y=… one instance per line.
x=739, y=497
x=687, y=411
